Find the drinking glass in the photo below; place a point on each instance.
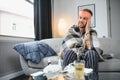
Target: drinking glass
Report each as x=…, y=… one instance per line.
x=79, y=69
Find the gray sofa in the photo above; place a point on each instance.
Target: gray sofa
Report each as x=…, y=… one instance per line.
x=108, y=70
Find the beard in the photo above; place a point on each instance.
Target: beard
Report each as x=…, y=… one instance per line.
x=81, y=25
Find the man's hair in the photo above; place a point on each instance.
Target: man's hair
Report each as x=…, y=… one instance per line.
x=88, y=10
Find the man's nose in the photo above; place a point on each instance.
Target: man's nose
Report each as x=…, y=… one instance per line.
x=81, y=19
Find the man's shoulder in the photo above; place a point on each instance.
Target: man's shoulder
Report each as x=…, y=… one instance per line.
x=74, y=28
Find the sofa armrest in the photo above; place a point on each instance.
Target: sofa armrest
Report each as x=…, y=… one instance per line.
x=24, y=63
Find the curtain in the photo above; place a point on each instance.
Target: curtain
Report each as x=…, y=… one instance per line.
x=42, y=19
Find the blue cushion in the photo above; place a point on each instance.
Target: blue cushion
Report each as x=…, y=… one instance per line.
x=34, y=51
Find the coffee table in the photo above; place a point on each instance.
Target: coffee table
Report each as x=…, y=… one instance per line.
x=67, y=74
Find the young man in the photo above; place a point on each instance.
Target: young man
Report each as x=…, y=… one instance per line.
x=78, y=43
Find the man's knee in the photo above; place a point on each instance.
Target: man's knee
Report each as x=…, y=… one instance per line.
x=69, y=57
x=91, y=52
x=69, y=53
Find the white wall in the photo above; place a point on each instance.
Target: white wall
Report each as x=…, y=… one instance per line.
x=115, y=19
x=68, y=10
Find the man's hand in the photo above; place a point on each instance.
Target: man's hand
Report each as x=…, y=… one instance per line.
x=87, y=28
x=87, y=35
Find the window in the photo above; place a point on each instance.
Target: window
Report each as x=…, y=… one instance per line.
x=16, y=18
x=30, y=1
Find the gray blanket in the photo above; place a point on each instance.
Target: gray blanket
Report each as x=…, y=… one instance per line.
x=74, y=40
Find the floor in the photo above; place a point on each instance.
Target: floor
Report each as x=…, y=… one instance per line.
x=21, y=77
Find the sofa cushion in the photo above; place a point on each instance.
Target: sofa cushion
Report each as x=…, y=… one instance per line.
x=109, y=45
x=110, y=65
x=105, y=45
x=54, y=43
x=44, y=62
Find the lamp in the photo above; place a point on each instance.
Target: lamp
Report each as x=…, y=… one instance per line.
x=62, y=27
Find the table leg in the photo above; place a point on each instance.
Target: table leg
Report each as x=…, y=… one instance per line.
x=30, y=78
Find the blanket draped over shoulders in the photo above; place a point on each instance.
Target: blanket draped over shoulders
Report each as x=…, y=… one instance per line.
x=75, y=41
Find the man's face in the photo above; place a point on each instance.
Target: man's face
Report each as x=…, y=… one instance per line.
x=83, y=17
